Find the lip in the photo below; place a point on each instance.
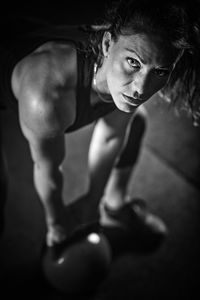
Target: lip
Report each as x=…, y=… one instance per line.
x=131, y=101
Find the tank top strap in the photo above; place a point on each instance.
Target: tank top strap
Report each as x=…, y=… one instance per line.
x=83, y=89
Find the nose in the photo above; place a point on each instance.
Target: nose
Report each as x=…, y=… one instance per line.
x=136, y=95
x=140, y=85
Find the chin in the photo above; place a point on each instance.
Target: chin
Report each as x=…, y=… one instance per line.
x=126, y=108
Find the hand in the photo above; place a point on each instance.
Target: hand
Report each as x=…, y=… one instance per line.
x=61, y=227
x=55, y=234
x=80, y=212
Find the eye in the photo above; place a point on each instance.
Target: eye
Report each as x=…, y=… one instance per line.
x=161, y=72
x=133, y=63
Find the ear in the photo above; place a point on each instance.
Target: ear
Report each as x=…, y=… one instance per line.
x=106, y=43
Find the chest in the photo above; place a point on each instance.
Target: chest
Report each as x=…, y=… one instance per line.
x=88, y=108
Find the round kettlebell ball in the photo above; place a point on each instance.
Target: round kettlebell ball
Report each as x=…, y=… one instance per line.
x=81, y=266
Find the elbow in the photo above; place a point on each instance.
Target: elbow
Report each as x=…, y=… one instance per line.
x=52, y=175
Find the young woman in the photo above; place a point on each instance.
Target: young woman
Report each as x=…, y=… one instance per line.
x=60, y=78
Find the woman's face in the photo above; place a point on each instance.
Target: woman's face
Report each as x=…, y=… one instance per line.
x=135, y=67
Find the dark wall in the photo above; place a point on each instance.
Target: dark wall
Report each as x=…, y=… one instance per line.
x=71, y=12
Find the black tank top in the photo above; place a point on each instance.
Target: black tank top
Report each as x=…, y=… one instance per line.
x=27, y=37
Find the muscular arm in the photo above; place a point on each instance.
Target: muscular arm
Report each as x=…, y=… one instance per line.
x=106, y=143
x=48, y=155
x=44, y=115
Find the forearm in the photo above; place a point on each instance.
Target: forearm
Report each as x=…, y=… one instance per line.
x=49, y=186
x=102, y=156
x=107, y=141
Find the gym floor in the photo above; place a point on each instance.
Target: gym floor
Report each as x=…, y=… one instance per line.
x=167, y=176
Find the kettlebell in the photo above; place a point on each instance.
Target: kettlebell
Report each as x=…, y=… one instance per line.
x=79, y=264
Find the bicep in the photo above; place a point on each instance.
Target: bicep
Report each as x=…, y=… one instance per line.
x=47, y=152
x=43, y=117
x=44, y=133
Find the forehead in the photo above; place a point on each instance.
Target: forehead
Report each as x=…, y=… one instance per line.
x=152, y=49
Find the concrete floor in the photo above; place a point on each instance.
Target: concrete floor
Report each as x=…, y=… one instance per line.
x=166, y=175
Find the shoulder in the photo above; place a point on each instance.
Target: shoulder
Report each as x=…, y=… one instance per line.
x=44, y=85
x=52, y=63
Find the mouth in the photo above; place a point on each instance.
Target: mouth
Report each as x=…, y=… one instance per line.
x=132, y=101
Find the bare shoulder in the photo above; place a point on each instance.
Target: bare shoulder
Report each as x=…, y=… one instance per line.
x=44, y=84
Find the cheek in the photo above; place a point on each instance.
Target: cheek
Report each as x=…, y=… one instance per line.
x=157, y=85
x=161, y=84
x=116, y=75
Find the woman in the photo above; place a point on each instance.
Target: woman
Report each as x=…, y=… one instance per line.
x=61, y=78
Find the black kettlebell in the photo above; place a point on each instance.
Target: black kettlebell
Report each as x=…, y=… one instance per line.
x=79, y=264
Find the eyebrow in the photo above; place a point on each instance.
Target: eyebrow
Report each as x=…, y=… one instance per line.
x=144, y=62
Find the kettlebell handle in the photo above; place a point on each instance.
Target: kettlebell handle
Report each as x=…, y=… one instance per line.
x=82, y=231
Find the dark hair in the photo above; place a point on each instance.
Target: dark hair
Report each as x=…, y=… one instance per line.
x=178, y=23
